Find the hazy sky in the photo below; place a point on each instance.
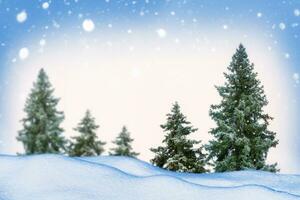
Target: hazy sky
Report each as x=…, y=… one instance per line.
x=128, y=61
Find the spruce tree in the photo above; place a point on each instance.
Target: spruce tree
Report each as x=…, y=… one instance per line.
x=178, y=153
x=123, y=144
x=41, y=131
x=241, y=136
x=87, y=143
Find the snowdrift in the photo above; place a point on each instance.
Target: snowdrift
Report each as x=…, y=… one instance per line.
x=46, y=177
x=279, y=182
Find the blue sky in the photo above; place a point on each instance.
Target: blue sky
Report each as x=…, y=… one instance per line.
x=164, y=25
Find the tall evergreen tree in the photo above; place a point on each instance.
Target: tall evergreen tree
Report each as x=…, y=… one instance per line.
x=179, y=153
x=241, y=136
x=87, y=143
x=123, y=144
x=41, y=131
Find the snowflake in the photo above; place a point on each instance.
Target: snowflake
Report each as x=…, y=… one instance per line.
x=55, y=24
x=297, y=12
x=296, y=78
x=287, y=55
x=282, y=26
x=42, y=42
x=259, y=14
x=22, y=16
x=162, y=33
x=23, y=53
x=88, y=25
x=45, y=5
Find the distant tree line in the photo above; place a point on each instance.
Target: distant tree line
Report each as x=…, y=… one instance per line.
x=42, y=133
x=241, y=138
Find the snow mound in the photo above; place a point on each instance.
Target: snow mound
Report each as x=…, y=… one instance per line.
x=128, y=165
x=278, y=182
x=46, y=177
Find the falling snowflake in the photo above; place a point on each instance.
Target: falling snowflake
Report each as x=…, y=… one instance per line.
x=45, y=5
x=282, y=26
x=259, y=15
x=296, y=77
x=42, y=42
x=22, y=16
x=23, y=53
x=297, y=12
x=55, y=24
x=88, y=25
x=162, y=33
x=287, y=55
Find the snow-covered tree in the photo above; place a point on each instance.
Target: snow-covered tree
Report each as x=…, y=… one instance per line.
x=41, y=131
x=123, y=144
x=241, y=136
x=87, y=143
x=179, y=153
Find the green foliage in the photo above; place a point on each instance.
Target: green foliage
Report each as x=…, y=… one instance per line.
x=87, y=143
x=179, y=154
x=123, y=145
x=241, y=136
x=41, y=131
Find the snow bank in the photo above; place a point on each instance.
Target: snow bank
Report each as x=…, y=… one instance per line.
x=53, y=177
x=278, y=182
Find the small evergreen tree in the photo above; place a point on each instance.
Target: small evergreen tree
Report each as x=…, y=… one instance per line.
x=41, y=131
x=242, y=138
x=179, y=153
x=123, y=145
x=87, y=143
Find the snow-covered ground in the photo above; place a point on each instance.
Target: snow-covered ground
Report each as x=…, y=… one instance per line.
x=55, y=177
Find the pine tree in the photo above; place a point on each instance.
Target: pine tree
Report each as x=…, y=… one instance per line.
x=41, y=131
x=241, y=137
x=87, y=143
x=179, y=153
x=123, y=145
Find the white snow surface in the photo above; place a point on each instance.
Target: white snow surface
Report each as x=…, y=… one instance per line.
x=53, y=177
